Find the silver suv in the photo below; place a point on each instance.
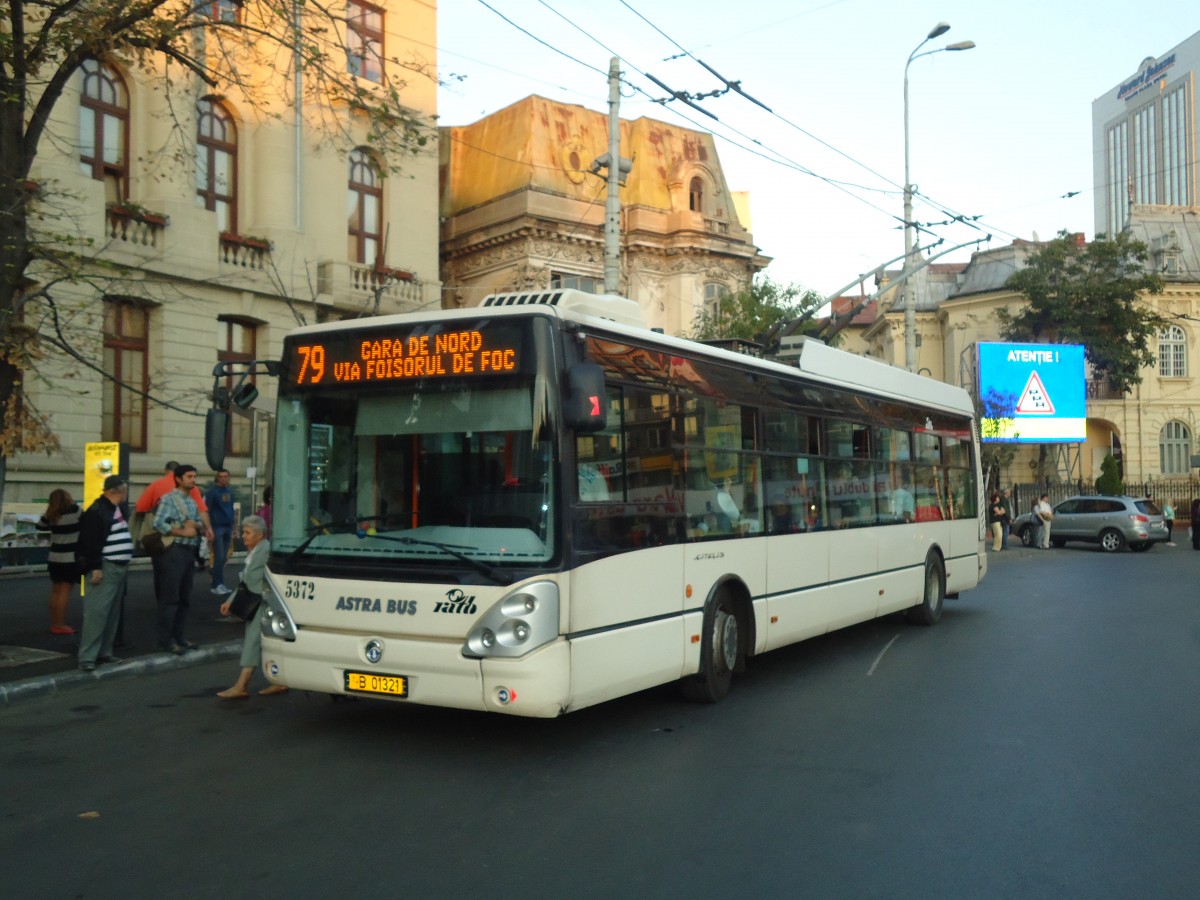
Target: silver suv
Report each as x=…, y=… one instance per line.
x=1112, y=522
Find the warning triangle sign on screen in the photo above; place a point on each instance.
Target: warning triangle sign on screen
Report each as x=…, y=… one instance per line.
x=1034, y=399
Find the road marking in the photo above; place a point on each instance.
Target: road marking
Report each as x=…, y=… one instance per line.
x=871, y=671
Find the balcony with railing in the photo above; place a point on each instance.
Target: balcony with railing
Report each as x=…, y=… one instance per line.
x=1100, y=389
x=367, y=287
x=244, y=252
x=134, y=224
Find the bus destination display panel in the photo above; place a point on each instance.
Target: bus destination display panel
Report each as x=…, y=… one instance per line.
x=395, y=355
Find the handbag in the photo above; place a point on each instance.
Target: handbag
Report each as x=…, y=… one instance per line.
x=154, y=543
x=245, y=602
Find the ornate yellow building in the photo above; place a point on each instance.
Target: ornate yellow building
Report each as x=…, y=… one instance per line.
x=522, y=208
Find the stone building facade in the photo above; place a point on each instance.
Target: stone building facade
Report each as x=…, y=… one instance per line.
x=216, y=226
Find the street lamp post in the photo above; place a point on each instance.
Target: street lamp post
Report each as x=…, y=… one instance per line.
x=910, y=312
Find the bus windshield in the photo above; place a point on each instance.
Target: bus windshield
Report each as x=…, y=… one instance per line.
x=454, y=474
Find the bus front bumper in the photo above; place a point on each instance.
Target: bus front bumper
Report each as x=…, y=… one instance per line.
x=435, y=671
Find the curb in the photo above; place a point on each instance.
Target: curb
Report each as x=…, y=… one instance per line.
x=63, y=682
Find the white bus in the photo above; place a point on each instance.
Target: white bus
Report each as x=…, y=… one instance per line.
x=538, y=504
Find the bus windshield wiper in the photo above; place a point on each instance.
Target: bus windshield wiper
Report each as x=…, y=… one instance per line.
x=327, y=528
x=476, y=564
x=322, y=528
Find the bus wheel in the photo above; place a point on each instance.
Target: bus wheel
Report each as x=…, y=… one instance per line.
x=929, y=610
x=718, y=653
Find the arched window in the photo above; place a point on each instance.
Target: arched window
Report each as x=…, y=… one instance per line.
x=1175, y=449
x=104, y=128
x=364, y=40
x=216, y=162
x=365, y=201
x=696, y=195
x=1172, y=352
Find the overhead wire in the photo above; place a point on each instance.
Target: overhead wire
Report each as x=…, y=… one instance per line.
x=775, y=156
x=945, y=210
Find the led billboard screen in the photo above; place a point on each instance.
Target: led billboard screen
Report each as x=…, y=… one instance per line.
x=1032, y=393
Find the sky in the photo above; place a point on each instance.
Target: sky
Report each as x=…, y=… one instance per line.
x=1002, y=132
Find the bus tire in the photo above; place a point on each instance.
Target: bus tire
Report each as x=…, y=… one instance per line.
x=720, y=646
x=929, y=610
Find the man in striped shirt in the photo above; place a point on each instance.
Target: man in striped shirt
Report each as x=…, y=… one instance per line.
x=105, y=549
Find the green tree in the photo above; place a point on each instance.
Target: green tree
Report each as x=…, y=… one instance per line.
x=1109, y=481
x=759, y=312
x=1090, y=294
x=260, y=52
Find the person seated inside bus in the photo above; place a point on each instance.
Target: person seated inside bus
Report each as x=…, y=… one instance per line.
x=781, y=519
x=813, y=520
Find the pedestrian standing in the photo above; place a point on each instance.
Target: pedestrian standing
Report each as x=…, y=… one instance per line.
x=1196, y=524
x=1168, y=512
x=105, y=549
x=1046, y=514
x=1035, y=526
x=61, y=519
x=219, y=499
x=178, y=516
x=995, y=520
x=1006, y=524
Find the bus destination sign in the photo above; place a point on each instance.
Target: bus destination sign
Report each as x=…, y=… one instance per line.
x=337, y=360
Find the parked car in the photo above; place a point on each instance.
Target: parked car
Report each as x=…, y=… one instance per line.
x=1112, y=522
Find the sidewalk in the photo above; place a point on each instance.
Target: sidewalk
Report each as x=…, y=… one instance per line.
x=35, y=663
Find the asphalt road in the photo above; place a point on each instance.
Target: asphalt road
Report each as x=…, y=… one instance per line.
x=1041, y=741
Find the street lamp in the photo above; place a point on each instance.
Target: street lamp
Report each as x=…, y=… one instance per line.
x=910, y=312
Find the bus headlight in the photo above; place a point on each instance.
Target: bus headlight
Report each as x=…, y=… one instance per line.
x=276, y=621
x=518, y=623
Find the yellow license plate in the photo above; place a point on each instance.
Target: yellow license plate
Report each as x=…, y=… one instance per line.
x=371, y=683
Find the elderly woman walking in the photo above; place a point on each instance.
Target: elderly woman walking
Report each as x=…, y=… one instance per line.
x=254, y=576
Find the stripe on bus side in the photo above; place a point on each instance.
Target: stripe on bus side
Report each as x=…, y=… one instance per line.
x=633, y=623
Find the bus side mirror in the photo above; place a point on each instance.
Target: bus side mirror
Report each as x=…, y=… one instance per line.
x=216, y=426
x=587, y=405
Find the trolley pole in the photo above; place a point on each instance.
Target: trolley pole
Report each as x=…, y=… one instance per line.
x=612, y=207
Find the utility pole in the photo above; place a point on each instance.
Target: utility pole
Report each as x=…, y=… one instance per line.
x=612, y=206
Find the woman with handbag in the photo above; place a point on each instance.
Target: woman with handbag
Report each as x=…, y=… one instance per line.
x=246, y=603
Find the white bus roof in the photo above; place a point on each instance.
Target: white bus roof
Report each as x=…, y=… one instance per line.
x=816, y=361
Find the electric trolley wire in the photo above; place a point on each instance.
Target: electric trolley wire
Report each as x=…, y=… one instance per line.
x=767, y=153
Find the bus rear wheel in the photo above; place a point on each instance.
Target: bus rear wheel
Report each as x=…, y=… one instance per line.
x=929, y=610
x=719, y=649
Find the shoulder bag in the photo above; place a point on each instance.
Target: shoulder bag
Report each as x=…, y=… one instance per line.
x=154, y=543
x=244, y=603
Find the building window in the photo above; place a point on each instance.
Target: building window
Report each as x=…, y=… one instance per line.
x=237, y=342
x=366, y=202
x=126, y=342
x=568, y=281
x=696, y=195
x=104, y=129
x=224, y=11
x=216, y=163
x=1172, y=352
x=714, y=293
x=364, y=40
x=1175, y=449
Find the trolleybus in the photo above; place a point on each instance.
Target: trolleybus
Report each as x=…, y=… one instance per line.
x=539, y=504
